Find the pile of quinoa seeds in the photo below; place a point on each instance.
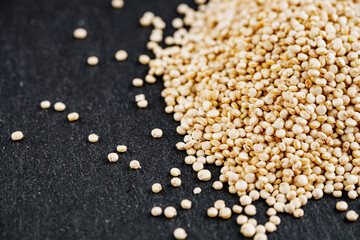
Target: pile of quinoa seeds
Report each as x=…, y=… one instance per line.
x=269, y=91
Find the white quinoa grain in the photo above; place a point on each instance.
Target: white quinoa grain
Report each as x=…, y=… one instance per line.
x=156, y=211
x=197, y=190
x=204, y=175
x=212, y=212
x=241, y=219
x=135, y=164
x=180, y=234
x=186, y=204
x=250, y=210
x=59, y=106
x=137, y=82
x=73, y=116
x=121, y=55
x=176, y=182
x=170, y=212
x=156, y=133
x=117, y=3
x=175, y=172
x=217, y=185
x=80, y=33
x=17, y=136
x=219, y=204
x=156, y=187
x=93, y=138
x=142, y=103
x=237, y=209
x=113, y=157
x=352, y=216
x=45, y=104
x=248, y=230
x=225, y=213
x=144, y=59
x=121, y=148
x=92, y=61
x=341, y=206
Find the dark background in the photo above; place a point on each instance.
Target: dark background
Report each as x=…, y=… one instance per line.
x=56, y=185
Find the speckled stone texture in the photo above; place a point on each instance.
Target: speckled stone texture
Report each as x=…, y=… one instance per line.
x=54, y=184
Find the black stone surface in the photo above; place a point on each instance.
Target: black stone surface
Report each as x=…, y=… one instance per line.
x=56, y=185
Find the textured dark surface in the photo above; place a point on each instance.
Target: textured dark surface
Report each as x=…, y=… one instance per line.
x=56, y=185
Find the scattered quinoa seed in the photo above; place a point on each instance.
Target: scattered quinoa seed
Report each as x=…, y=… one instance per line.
x=180, y=234
x=45, y=104
x=138, y=82
x=156, y=211
x=352, y=216
x=204, y=175
x=175, y=172
x=341, y=206
x=237, y=209
x=248, y=230
x=121, y=55
x=80, y=33
x=225, y=213
x=113, y=157
x=176, y=182
x=93, y=138
x=219, y=204
x=59, y=106
x=121, y=148
x=73, y=116
x=156, y=133
x=144, y=59
x=142, y=103
x=135, y=164
x=197, y=190
x=212, y=212
x=17, y=136
x=186, y=204
x=156, y=187
x=92, y=61
x=170, y=212
x=117, y=3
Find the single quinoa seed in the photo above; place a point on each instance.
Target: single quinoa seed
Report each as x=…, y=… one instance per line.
x=176, y=182
x=45, y=104
x=93, y=138
x=170, y=212
x=156, y=188
x=156, y=133
x=212, y=212
x=352, y=216
x=138, y=82
x=156, y=211
x=113, y=157
x=93, y=61
x=80, y=33
x=175, y=172
x=341, y=206
x=180, y=234
x=186, y=204
x=59, y=106
x=17, y=136
x=121, y=55
x=117, y=4
x=197, y=190
x=73, y=116
x=121, y=148
x=135, y=164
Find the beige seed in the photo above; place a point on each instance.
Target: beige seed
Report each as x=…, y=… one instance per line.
x=217, y=185
x=175, y=172
x=135, y=164
x=45, y=104
x=212, y=212
x=147, y=19
x=144, y=59
x=352, y=216
x=156, y=187
x=80, y=33
x=248, y=230
x=170, y=212
x=142, y=103
x=204, y=175
x=225, y=213
x=17, y=136
x=237, y=209
x=180, y=234
x=176, y=182
x=250, y=210
x=93, y=138
x=241, y=219
x=156, y=211
x=121, y=148
x=219, y=204
x=92, y=61
x=156, y=133
x=341, y=206
x=121, y=55
x=138, y=82
x=73, y=116
x=139, y=97
x=113, y=157
x=117, y=3
x=186, y=204
x=59, y=106
x=260, y=236
x=197, y=190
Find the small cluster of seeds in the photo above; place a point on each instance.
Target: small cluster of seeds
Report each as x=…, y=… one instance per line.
x=141, y=101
